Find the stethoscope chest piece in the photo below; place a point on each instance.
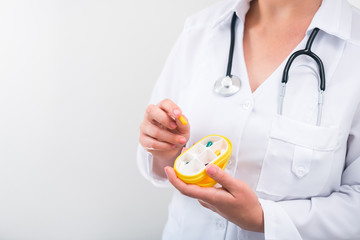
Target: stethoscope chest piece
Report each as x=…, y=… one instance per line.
x=230, y=84
x=227, y=86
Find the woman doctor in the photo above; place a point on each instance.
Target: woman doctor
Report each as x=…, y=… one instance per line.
x=288, y=177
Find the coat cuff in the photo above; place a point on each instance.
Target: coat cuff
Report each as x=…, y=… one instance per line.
x=277, y=223
x=145, y=165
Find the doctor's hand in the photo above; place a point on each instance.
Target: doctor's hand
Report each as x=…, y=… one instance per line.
x=235, y=200
x=162, y=134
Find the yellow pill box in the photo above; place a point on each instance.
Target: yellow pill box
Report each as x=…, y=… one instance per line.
x=190, y=165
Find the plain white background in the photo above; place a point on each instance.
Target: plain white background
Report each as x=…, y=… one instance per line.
x=75, y=78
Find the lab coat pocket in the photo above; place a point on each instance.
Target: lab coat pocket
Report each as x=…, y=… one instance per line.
x=298, y=159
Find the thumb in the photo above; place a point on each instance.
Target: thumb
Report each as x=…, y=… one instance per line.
x=221, y=177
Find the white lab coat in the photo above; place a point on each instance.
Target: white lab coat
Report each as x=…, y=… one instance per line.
x=307, y=177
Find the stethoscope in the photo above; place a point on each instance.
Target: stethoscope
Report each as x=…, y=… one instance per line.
x=230, y=84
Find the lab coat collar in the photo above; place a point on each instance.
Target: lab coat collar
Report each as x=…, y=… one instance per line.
x=333, y=17
x=239, y=6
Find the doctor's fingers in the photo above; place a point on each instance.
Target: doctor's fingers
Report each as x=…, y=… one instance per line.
x=156, y=114
x=210, y=195
x=208, y=205
x=228, y=182
x=161, y=134
x=175, y=113
x=151, y=144
x=170, y=108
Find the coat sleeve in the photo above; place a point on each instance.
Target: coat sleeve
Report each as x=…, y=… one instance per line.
x=170, y=81
x=333, y=217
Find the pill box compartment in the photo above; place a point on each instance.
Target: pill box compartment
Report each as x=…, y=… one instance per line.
x=195, y=159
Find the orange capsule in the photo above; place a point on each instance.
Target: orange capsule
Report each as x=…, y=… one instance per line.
x=183, y=120
x=217, y=152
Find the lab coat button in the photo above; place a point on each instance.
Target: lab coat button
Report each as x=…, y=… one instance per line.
x=300, y=171
x=247, y=105
x=230, y=164
x=220, y=224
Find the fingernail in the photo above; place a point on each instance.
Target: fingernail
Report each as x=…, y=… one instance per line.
x=182, y=140
x=211, y=169
x=177, y=112
x=173, y=125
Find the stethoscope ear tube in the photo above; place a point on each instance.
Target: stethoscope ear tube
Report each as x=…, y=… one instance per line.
x=307, y=51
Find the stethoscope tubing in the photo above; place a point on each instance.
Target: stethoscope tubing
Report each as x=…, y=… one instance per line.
x=322, y=83
x=307, y=51
x=285, y=77
x=232, y=45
